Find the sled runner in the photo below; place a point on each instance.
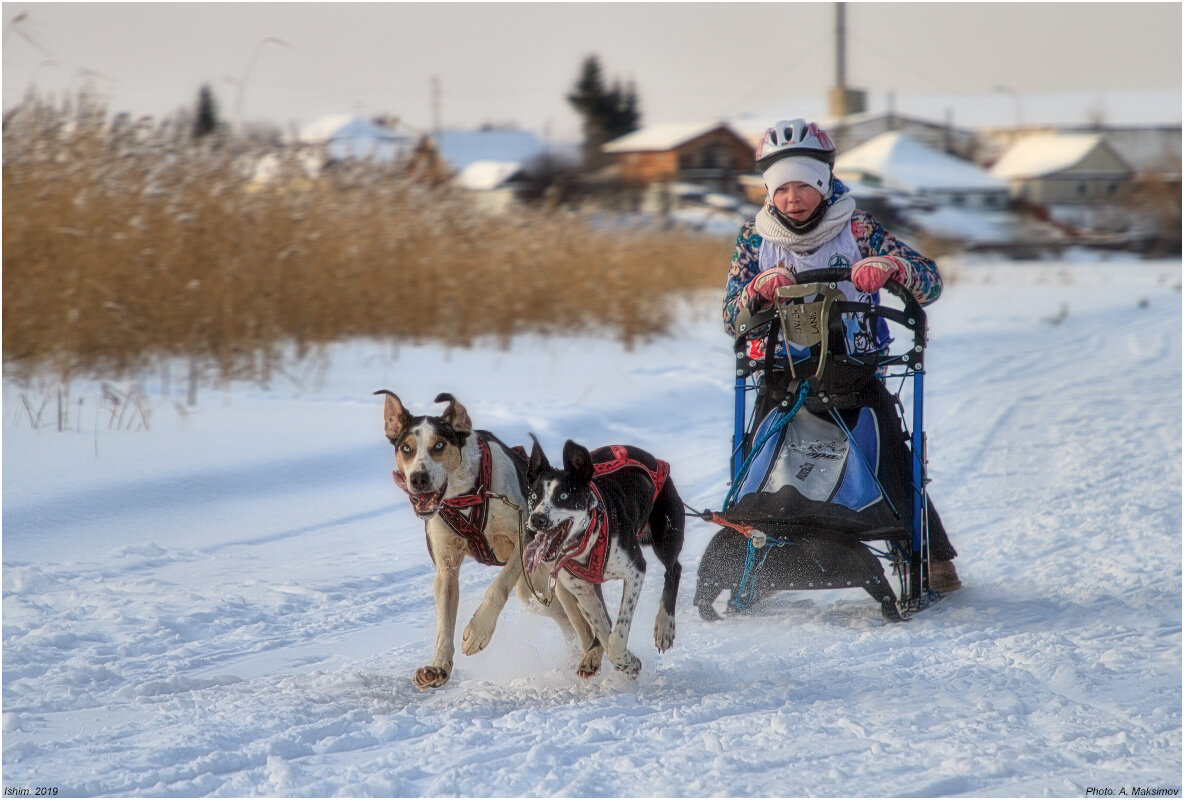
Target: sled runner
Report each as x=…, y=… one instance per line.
x=828, y=484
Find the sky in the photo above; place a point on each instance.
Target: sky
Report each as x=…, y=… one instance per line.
x=293, y=63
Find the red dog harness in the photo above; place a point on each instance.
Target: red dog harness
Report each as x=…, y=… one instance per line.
x=593, y=570
x=471, y=528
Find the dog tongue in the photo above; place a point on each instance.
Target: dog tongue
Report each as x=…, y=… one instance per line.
x=533, y=553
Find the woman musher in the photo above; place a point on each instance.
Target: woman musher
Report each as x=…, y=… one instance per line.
x=809, y=221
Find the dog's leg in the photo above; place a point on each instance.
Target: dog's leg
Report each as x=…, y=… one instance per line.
x=591, y=604
x=480, y=628
x=666, y=529
x=446, y=590
x=569, y=618
x=664, y=622
x=590, y=646
x=617, y=646
x=572, y=614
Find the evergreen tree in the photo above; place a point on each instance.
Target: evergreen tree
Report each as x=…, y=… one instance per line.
x=627, y=115
x=207, y=113
x=607, y=113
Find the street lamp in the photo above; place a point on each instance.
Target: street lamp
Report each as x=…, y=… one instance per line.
x=242, y=82
x=1019, y=111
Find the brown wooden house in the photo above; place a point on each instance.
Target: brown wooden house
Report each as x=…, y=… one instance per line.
x=711, y=154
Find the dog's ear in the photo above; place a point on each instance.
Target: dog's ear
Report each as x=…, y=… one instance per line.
x=577, y=461
x=538, y=462
x=394, y=416
x=455, y=415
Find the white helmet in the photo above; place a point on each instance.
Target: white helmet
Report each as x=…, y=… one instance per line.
x=795, y=137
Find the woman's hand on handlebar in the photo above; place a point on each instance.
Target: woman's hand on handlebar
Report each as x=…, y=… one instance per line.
x=870, y=274
x=762, y=289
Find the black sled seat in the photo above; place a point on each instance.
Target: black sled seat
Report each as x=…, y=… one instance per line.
x=828, y=485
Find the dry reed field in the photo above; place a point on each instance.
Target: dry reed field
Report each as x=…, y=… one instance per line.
x=125, y=245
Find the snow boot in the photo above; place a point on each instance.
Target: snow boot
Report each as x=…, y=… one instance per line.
x=943, y=577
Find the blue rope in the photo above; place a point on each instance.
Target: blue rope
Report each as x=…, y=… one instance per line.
x=774, y=429
x=746, y=591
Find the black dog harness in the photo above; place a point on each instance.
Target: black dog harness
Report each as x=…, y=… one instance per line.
x=616, y=458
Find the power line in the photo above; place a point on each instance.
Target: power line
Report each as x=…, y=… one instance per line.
x=927, y=73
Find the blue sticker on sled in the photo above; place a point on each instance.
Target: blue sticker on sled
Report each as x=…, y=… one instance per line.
x=859, y=489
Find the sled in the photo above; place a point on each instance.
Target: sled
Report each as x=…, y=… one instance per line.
x=819, y=496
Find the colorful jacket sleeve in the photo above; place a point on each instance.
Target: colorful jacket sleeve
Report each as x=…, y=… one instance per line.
x=745, y=266
x=922, y=277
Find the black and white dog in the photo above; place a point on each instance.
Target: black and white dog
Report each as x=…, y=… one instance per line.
x=454, y=477
x=589, y=521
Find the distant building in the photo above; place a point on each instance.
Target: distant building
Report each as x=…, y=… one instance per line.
x=898, y=163
x=386, y=139
x=711, y=154
x=1150, y=150
x=853, y=130
x=345, y=137
x=461, y=148
x=1064, y=169
x=495, y=185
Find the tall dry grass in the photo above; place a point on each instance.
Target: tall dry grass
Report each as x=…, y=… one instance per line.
x=125, y=245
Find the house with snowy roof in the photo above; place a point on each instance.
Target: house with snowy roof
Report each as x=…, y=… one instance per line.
x=349, y=136
x=460, y=148
x=495, y=185
x=854, y=129
x=387, y=139
x=897, y=163
x=1065, y=169
x=711, y=153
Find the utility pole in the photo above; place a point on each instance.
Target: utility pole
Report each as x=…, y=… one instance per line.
x=436, y=109
x=840, y=46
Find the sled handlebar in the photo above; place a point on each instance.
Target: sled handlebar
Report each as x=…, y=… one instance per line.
x=912, y=317
x=836, y=275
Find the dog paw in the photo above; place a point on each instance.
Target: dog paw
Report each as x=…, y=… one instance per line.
x=629, y=664
x=476, y=636
x=708, y=612
x=590, y=663
x=663, y=631
x=431, y=677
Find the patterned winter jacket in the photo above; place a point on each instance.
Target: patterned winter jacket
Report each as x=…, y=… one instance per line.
x=923, y=280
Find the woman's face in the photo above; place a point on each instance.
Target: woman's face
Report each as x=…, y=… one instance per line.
x=797, y=200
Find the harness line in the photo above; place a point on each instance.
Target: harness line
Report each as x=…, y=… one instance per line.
x=746, y=591
x=546, y=601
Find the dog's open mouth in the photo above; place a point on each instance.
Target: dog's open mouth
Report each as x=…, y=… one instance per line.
x=544, y=547
x=426, y=504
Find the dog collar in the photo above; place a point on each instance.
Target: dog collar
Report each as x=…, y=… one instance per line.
x=593, y=568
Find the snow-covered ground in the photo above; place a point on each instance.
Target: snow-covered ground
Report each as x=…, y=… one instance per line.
x=233, y=601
